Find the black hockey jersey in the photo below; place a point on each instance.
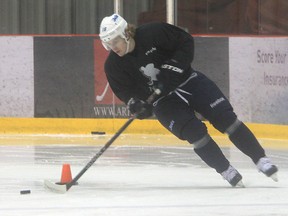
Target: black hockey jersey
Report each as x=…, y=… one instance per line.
x=134, y=74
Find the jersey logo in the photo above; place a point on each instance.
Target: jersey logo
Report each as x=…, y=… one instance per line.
x=171, y=67
x=218, y=101
x=150, y=51
x=150, y=72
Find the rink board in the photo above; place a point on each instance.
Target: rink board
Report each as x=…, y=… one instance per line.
x=86, y=126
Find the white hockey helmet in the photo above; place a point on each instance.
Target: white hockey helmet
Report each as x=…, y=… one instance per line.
x=111, y=27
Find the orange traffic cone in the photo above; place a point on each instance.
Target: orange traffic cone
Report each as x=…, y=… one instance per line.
x=66, y=175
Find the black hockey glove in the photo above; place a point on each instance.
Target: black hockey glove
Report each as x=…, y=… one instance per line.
x=141, y=108
x=170, y=76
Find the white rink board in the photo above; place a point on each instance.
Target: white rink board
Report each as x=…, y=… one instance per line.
x=259, y=79
x=16, y=76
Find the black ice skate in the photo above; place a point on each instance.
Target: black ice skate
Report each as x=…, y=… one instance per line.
x=265, y=166
x=233, y=177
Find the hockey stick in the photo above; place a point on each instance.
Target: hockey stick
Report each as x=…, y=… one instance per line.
x=62, y=188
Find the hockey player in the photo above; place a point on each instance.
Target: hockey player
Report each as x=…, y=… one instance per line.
x=159, y=55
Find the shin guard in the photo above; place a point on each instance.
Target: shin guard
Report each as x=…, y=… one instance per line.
x=212, y=155
x=246, y=142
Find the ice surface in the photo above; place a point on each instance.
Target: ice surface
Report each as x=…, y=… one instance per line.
x=130, y=180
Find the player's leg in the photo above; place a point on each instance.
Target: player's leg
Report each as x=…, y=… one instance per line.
x=207, y=149
x=174, y=114
x=220, y=113
x=243, y=138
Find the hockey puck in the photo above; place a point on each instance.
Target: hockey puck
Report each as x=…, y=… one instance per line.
x=25, y=191
x=98, y=132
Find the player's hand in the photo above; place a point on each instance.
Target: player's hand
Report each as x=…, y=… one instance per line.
x=169, y=77
x=141, y=108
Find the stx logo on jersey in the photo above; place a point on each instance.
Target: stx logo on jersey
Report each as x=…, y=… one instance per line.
x=173, y=68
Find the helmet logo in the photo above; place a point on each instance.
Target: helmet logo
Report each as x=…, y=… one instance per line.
x=115, y=17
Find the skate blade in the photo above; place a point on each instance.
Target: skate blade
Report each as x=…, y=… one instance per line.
x=274, y=177
x=240, y=184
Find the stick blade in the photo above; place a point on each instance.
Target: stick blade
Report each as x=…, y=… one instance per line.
x=55, y=187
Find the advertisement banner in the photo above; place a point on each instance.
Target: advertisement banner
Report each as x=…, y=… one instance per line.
x=259, y=79
x=64, y=77
x=107, y=105
x=16, y=76
x=211, y=57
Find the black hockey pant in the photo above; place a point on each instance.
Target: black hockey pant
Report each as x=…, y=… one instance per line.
x=176, y=112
